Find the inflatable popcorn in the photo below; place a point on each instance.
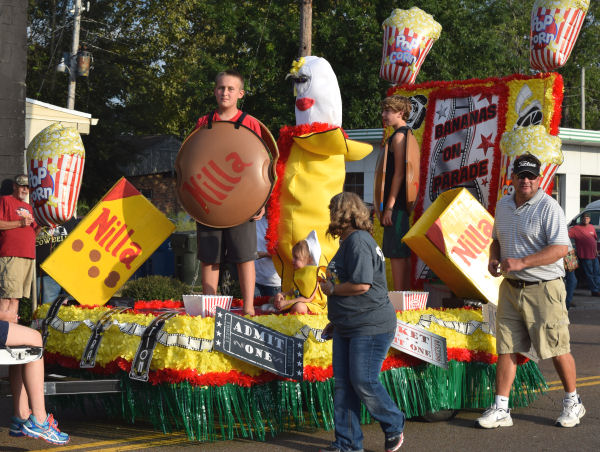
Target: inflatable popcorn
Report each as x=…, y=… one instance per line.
x=536, y=141
x=407, y=38
x=555, y=25
x=55, y=158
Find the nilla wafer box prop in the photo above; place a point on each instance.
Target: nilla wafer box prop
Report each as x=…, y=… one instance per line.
x=108, y=245
x=453, y=238
x=406, y=300
x=205, y=305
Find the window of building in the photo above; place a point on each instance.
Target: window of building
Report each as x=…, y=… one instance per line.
x=558, y=189
x=355, y=182
x=589, y=190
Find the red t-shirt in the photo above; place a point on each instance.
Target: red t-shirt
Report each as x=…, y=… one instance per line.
x=585, y=240
x=17, y=242
x=249, y=121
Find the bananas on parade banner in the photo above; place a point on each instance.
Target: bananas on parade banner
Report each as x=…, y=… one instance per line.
x=459, y=125
x=108, y=245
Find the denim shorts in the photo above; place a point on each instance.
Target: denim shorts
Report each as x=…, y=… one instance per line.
x=3, y=332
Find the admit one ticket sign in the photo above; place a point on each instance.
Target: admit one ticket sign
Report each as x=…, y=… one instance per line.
x=108, y=245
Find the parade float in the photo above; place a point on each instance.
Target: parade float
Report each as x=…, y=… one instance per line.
x=223, y=375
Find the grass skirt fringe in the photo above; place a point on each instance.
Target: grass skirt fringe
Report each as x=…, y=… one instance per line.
x=212, y=413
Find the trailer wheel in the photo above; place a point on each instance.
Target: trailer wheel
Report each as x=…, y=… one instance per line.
x=438, y=416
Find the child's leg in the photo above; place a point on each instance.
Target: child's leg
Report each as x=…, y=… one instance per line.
x=27, y=380
x=401, y=273
x=210, y=278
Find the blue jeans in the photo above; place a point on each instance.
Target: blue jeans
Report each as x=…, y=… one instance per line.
x=48, y=289
x=570, y=285
x=356, y=366
x=591, y=268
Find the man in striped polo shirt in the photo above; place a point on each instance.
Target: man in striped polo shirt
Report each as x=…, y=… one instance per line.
x=530, y=240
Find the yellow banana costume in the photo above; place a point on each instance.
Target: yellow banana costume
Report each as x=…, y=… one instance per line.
x=309, y=177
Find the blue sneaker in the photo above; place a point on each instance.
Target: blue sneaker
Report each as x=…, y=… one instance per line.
x=15, y=428
x=48, y=430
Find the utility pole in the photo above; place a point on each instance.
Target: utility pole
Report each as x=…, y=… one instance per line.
x=305, y=27
x=583, y=97
x=73, y=56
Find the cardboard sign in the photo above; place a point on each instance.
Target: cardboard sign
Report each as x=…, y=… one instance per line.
x=453, y=238
x=108, y=245
x=420, y=343
x=258, y=345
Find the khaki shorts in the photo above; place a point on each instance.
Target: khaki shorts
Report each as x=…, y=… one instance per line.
x=534, y=315
x=16, y=276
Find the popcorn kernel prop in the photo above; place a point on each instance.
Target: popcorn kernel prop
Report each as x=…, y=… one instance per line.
x=407, y=38
x=55, y=159
x=555, y=25
x=535, y=140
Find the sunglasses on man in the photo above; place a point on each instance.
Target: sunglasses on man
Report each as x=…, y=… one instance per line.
x=529, y=176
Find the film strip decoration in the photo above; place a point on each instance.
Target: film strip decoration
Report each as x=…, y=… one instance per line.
x=50, y=316
x=88, y=359
x=143, y=357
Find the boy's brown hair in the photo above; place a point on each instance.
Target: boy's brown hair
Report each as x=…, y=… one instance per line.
x=233, y=73
x=301, y=251
x=397, y=103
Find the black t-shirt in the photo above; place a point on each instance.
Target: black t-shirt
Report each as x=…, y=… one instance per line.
x=359, y=260
x=49, y=238
x=389, y=173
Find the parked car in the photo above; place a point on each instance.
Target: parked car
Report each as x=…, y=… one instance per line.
x=593, y=209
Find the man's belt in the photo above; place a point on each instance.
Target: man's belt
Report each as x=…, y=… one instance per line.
x=520, y=284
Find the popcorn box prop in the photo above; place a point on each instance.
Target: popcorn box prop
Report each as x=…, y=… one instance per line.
x=555, y=26
x=55, y=159
x=108, y=245
x=538, y=142
x=405, y=300
x=206, y=305
x=407, y=38
x=453, y=238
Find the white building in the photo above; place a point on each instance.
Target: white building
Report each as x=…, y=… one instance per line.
x=576, y=184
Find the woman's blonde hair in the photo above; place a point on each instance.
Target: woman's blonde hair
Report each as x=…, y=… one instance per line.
x=347, y=210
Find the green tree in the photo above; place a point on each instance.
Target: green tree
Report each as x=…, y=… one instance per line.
x=155, y=61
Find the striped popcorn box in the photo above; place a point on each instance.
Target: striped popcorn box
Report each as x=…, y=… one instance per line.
x=555, y=26
x=205, y=305
x=408, y=300
x=407, y=38
x=55, y=160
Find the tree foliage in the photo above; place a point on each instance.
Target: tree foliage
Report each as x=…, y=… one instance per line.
x=155, y=60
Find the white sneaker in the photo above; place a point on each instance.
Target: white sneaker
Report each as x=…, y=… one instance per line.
x=495, y=417
x=571, y=414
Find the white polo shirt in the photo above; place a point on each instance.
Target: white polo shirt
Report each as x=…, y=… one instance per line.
x=525, y=230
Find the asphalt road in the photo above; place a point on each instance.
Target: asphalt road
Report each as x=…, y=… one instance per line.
x=533, y=429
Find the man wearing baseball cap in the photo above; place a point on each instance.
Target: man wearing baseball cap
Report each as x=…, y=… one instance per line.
x=17, y=245
x=530, y=240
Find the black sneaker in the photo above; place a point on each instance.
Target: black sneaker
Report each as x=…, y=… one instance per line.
x=393, y=443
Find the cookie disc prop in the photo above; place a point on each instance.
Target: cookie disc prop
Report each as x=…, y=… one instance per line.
x=225, y=173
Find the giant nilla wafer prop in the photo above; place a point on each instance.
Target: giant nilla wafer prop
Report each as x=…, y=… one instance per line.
x=407, y=38
x=55, y=159
x=537, y=141
x=555, y=25
x=225, y=173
